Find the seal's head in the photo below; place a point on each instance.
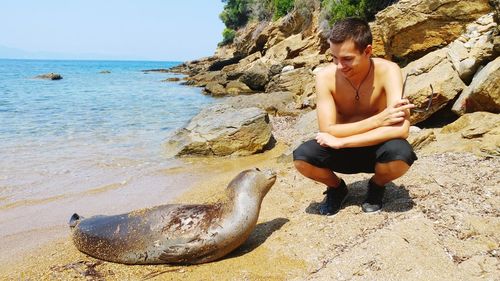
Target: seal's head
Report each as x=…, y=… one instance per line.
x=253, y=182
x=74, y=220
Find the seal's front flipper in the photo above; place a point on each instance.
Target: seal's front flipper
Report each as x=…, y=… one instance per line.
x=74, y=220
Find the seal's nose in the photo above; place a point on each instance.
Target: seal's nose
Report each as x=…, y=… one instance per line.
x=73, y=221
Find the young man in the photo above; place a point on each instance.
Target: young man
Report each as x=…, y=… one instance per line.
x=363, y=120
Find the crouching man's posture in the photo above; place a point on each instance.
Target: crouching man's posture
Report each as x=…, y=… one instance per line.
x=363, y=120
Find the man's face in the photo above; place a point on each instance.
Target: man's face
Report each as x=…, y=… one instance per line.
x=348, y=58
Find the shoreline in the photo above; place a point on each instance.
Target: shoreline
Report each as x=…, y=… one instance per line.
x=206, y=189
x=421, y=233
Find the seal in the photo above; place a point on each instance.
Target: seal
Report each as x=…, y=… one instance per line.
x=177, y=233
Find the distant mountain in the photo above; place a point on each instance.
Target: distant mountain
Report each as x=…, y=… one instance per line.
x=15, y=53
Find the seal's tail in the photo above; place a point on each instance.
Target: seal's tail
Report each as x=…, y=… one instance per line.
x=74, y=220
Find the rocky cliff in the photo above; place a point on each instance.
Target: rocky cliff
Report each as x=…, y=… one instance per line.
x=451, y=45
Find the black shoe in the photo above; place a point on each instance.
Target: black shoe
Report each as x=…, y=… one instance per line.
x=373, y=202
x=335, y=197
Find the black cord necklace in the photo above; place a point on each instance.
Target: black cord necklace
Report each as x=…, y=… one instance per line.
x=362, y=81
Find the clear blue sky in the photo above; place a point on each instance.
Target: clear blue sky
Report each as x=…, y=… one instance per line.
x=175, y=30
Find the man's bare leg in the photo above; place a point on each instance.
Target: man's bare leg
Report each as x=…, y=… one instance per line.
x=384, y=173
x=322, y=175
x=387, y=172
x=336, y=192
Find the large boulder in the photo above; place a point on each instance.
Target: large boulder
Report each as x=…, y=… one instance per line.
x=290, y=47
x=236, y=88
x=276, y=103
x=433, y=69
x=215, y=89
x=409, y=29
x=477, y=132
x=222, y=130
x=260, y=36
x=483, y=94
x=256, y=76
x=473, y=48
x=300, y=82
x=202, y=78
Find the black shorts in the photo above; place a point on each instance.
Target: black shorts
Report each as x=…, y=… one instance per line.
x=354, y=160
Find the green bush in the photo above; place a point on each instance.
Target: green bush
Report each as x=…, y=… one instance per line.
x=282, y=7
x=334, y=10
x=227, y=36
x=261, y=10
x=235, y=13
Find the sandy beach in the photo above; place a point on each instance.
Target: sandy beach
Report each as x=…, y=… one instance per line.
x=439, y=222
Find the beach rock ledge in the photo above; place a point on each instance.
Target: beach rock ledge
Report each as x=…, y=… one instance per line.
x=222, y=130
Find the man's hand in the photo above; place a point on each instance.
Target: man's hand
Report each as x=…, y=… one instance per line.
x=327, y=140
x=394, y=114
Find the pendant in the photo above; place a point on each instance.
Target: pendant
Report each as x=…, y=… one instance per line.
x=357, y=96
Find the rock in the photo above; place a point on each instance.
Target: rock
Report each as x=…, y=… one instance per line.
x=300, y=82
x=161, y=70
x=49, y=76
x=104, y=71
x=307, y=126
x=215, y=89
x=483, y=94
x=420, y=139
x=171, y=79
x=477, y=132
x=204, y=77
x=290, y=47
x=474, y=47
x=307, y=60
x=219, y=64
x=222, y=130
x=478, y=122
x=287, y=68
x=475, y=268
x=261, y=36
x=433, y=69
x=409, y=29
x=236, y=88
x=275, y=103
x=256, y=76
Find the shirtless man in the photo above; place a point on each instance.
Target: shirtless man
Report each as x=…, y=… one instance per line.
x=363, y=120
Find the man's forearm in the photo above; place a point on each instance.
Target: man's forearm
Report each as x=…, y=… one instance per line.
x=376, y=136
x=352, y=129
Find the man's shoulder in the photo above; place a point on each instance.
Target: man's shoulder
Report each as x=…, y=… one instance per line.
x=327, y=71
x=385, y=65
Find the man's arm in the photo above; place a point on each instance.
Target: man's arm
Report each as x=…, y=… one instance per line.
x=327, y=113
x=391, y=123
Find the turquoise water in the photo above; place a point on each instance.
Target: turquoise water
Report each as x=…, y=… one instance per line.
x=91, y=138
x=123, y=102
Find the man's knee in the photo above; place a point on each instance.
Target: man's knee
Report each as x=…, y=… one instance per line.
x=305, y=154
x=299, y=164
x=396, y=150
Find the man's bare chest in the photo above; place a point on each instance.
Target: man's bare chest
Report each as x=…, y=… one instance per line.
x=349, y=109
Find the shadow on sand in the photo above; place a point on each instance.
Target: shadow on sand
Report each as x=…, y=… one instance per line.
x=396, y=199
x=260, y=234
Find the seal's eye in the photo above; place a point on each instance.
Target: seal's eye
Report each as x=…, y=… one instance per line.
x=257, y=169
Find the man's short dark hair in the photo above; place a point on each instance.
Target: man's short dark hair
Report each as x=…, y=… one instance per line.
x=354, y=29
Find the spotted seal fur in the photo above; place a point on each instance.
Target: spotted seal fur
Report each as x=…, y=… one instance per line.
x=177, y=233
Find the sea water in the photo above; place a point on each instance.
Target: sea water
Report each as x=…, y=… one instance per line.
x=89, y=143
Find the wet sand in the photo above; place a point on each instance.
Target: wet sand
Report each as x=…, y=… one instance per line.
x=55, y=256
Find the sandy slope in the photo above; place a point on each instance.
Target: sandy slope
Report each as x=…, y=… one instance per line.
x=440, y=222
